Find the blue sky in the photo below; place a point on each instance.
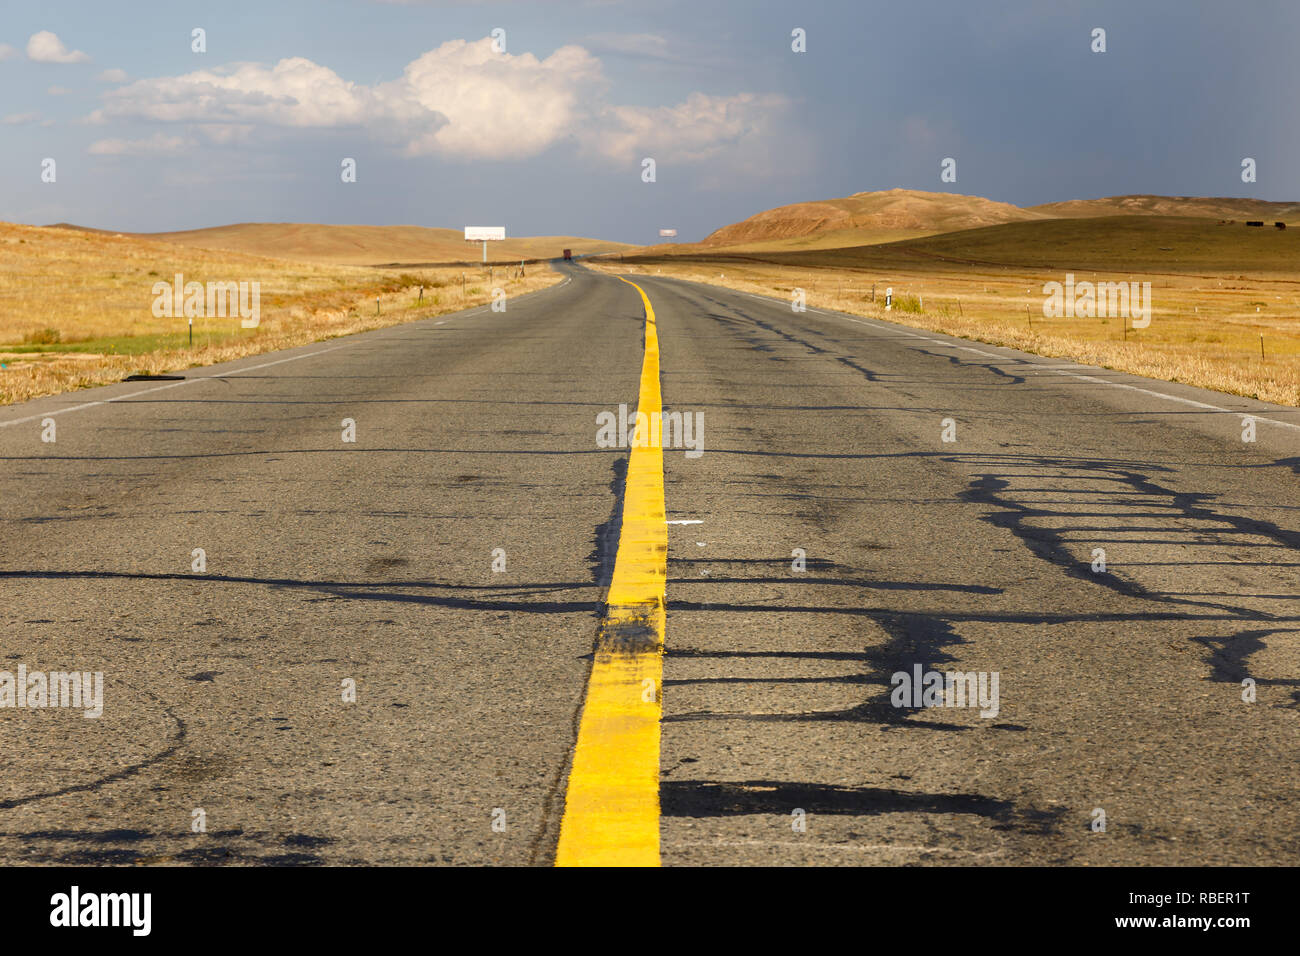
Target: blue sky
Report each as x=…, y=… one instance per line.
x=548, y=135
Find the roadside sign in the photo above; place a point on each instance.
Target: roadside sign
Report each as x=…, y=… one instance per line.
x=484, y=234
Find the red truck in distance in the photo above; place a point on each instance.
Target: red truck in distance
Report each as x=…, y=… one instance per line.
x=568, y=255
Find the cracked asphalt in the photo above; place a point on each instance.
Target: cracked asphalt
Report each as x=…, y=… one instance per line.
x=329, y=564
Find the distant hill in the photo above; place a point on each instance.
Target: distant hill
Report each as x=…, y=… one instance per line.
x=893, y=215
x=368, y=245
x=1147, y=205
x=871, y=214
x=1153, y=245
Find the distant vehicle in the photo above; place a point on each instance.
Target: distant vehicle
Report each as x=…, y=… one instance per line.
x=568, y=254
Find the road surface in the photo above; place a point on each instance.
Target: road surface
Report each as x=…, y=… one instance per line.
x=827, y=539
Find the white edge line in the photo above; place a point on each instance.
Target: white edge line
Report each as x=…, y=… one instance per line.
x=888, y=327
x=203, y=378
x=159, y=388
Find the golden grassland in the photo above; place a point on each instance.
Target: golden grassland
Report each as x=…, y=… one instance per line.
x=76, y=307
x=1218, y=289
x=373, y=245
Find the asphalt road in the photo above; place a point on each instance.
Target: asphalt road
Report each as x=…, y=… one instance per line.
x=371, y=562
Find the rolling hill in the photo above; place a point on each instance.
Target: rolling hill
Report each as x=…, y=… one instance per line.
x=1148, y=205
x=871, y=218
x=368, y=245
x=1151, y=245
x=894, y=213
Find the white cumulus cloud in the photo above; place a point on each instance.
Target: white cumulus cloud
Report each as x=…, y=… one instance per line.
x=46, y=47
x=462, y=100
x=294, y=92
x=496, y=105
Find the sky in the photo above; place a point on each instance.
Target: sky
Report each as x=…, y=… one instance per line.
x=538, y=115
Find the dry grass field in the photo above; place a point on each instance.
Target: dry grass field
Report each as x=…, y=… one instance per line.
x=372, y=245
x=1219, y=291
x=76, y=306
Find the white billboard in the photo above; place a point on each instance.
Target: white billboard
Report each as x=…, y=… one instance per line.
x=667, y=233
x=484, y=233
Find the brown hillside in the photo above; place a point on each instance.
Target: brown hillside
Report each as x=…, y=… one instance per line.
x=369, y=245
x=894, y=215
x=890, y=211
x=1147, y=205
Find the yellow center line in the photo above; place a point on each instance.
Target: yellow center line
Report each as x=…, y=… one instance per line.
x=611, y=810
